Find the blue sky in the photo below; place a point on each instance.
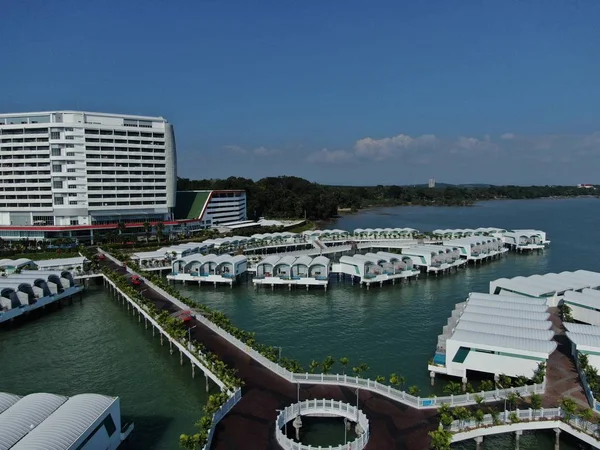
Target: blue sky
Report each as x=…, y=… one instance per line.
x=340, y=92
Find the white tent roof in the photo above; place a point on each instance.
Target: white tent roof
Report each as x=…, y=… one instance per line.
x=31, y=410
x=508, y=299
x=508, y=321
x=503, y=330
x=303, y=260
x=506, y=305
x=488, y=341
x=579, y=328
x=389, y=256
x=62, y=429
x=540, y=285
x=508, y=312
x=286, y=260
x=7, y=400
x=590, y=341
x=582, y=299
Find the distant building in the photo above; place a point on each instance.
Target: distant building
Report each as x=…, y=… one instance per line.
x=432, y=182
x=586, y=186
x=211, y=208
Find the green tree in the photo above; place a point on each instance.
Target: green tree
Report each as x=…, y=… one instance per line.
x=380, y=379
x=452, y=388
x=535, y=401
x=147, y=228
x=440, y=440
x=512, y=400
x=344, y=362
x=486, y=385
x=313, y=366
x=394, y=381
x=479, y=415
x=160, y=231
x=569, y=407
x=587, y=415
x=446, y=419
x=360, y=369
x=478, y=399
x=461, y=414
x=327, y=364
x=414, y=390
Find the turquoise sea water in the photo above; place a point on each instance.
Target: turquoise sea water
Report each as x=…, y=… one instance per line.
x=96, y=347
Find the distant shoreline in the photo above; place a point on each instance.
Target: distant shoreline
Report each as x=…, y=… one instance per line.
x=342, y=212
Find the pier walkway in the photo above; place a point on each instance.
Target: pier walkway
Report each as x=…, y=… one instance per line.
x=251, y=423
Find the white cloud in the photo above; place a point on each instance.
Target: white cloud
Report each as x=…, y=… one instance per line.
x=472, y=143
x=263, y=151
x=235, y=149
x=508, y=136
x=330, y=156
x=389, y=147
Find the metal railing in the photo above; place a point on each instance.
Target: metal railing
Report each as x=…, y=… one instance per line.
x=322, y=407
x=523, y=416
x=222, y=412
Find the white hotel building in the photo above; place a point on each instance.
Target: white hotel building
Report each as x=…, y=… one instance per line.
x=67, y=173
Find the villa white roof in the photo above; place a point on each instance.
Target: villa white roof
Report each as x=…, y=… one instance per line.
x=533, y=315
x=30, y=411
x=582, y=299
x=303, y=260
x=60, y=262
x=365, y=258
x=150, y=255
x=508, y=299
x=377, y=257
x=419, y=250
x=65, y=425
x=585, y=341
x=579, y=328
x=237, y=259
x=286, y=260
x=591, y=292
x=320, y=260
x=503, y=330
x=273, y=259
x=489, y=341
x=389, y=256
x=508, y=321
x=14, y=262
x=7, y=400
x=506, y=305
x=548, y=284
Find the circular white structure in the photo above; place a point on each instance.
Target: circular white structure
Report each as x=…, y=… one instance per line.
x=322, y=408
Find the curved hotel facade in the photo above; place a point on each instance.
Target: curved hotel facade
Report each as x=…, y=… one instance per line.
x=80, y=171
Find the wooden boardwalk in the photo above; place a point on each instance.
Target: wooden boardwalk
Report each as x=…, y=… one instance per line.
x=251, y=423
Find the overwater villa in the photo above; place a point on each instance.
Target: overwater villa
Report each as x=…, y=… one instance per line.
x=526, y=240
x=584, y=305
x=495, y=334
x=375, y=268
x=9, y=265
x=551, y=286
x=214, y=269
x=459, y=233
x=49, y=421
x=292, y=271
x=477, y=248
x=33, y=289
x=585, y=340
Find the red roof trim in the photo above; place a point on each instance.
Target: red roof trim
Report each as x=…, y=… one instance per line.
x=90, y=227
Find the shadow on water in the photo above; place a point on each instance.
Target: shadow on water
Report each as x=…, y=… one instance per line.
x=147, y=433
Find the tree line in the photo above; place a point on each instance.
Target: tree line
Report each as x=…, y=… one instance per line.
x=288, y=197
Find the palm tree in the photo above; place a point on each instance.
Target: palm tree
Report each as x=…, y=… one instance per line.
x=414, y=390
x=313, y=366
x=486, y=385
x=401, y=382
x=380, y=379
x=479, y=416
x=461, y=414
x=453, y=388
x=360, y=369
x=344, y=362
x=147, y=228
x=327, y=364
x=569, y=407
x=160, y=227
x=512, y=399
x=394, y=380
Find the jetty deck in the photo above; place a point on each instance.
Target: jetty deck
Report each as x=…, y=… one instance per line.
x=251, y=423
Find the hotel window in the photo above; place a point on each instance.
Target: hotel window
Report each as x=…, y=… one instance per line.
x=56, y=168
x=59, y=201
x=57, y=184
x=55, y=135
x=56, y=152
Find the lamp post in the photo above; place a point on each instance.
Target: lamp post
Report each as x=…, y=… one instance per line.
x=357, y=391
x=345, y=430
x=190, y=337
x=280, y=350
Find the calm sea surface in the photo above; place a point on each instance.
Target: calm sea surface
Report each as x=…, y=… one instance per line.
x=95, y=347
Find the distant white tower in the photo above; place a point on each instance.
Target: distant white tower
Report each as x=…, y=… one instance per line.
x=432, y=182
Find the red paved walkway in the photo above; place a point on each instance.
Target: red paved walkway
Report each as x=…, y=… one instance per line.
x=251, y=423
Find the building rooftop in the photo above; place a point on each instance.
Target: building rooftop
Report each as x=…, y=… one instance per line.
x=546, y=285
